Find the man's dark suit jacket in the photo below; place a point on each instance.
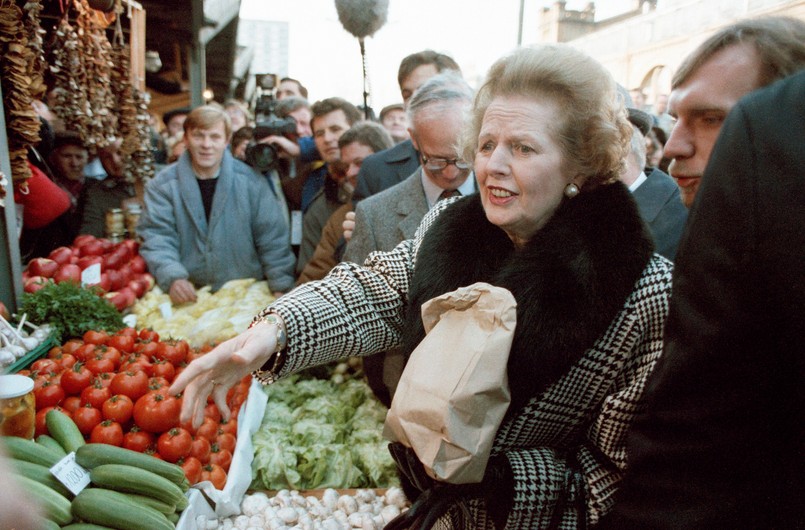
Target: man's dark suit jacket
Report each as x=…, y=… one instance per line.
x=386, y=168
x=721, y=444
x=661, y=208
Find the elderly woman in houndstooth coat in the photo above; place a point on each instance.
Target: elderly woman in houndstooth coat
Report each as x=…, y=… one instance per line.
x=550, y=223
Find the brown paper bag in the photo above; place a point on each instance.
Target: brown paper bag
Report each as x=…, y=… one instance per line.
x=454, y=390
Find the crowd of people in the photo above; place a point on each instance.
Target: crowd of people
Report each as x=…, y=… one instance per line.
x=654, y=251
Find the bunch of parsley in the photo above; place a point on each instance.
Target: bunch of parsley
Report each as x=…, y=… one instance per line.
x=71, y=310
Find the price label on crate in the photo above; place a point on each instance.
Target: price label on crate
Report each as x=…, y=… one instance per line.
x=74, y=477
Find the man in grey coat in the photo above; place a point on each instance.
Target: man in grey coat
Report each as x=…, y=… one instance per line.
x=435, y=114
x=210, y=218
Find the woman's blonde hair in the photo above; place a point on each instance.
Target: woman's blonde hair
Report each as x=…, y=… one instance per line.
x=594, y=131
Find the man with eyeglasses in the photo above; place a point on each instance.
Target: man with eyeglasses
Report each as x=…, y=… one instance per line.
x=435, y=117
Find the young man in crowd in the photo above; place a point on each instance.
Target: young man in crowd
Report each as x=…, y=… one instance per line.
x=210, y=218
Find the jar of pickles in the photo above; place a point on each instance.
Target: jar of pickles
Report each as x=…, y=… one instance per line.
x=17, y=407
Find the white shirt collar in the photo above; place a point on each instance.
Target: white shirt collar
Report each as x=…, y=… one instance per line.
x=641, y=178
x=433, y=192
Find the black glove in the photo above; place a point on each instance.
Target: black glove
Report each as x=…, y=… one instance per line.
x=413, y=477
x=431, y=499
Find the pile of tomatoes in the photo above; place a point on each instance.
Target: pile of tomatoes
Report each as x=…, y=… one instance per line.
x=115, y=388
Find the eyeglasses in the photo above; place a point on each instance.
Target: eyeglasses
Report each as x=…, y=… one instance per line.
x=438, y=164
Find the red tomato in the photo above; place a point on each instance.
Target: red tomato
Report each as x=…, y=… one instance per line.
x=118, y=408
x=100, y=364
x=76, y=379
x=65, y=360
x=138, y=440
x=211, y=411
x=174, y=444
x=146, y=347
x=214, y=474
x=133, y=384
x=192, y=469
x=71, y=403
x=163, y=369
x=230, y=426
x=71, y=346
x=86, y=418
x=200, y=449
x=128, y=332
x=138, y=363
x=45, y=365
x=41, y=426
x=95, y=337
x=208, y=429
x=157, y=412
x=170, y=353
x=221, y=457
x=157, y=383
x=95, y=395
x=124, y=343
x=107, y=432
x=111, y=353
x=84, y=352
x=104, y=378
x=49, y=395
x=54, y=351
x=226, y=441
x=149, y=334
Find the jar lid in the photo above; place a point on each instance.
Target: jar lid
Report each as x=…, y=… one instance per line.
x=12, y=386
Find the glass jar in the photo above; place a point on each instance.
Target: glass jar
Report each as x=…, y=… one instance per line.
x=17, y=406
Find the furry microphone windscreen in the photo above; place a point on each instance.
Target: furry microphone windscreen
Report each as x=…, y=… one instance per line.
x=362, y=18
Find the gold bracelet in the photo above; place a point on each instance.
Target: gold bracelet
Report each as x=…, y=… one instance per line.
x=277, y=359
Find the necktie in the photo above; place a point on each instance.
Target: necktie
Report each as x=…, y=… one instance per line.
x=446, y=194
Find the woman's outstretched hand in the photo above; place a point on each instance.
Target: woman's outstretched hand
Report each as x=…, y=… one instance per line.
x=220, y=369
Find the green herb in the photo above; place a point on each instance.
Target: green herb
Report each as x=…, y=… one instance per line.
x=71, y=310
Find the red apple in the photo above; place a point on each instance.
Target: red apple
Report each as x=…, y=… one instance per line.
x=80, y=240
x=86, y=261
x=61, y=255
x=68, y=273
x=35, y=283
x=138, y=264
x=138, y=287
x=116, y=299
x=115, y=279
x=133, y=244
x=129, y=294
x=91, y=248
x=43, y=267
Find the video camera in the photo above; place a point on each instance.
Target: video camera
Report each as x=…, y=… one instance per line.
x=263, y=157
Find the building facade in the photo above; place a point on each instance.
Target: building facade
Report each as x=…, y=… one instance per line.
x=643, y=47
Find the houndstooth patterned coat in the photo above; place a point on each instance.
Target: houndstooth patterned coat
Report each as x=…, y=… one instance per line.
x=564, y=437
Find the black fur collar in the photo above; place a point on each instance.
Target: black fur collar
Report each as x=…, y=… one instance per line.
x=569, y=281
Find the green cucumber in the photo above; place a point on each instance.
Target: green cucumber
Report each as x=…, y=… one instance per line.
x=51, y=443
x=114, y=510
x=64, y=430
x=86, y=526
x=40, y=474
x=158, y=505
x=132, y=479
x=93, y=455
x=47, y=524
x=56, y=507
x=30, y=451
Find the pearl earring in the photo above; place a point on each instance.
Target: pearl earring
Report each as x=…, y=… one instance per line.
x=571, y=190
